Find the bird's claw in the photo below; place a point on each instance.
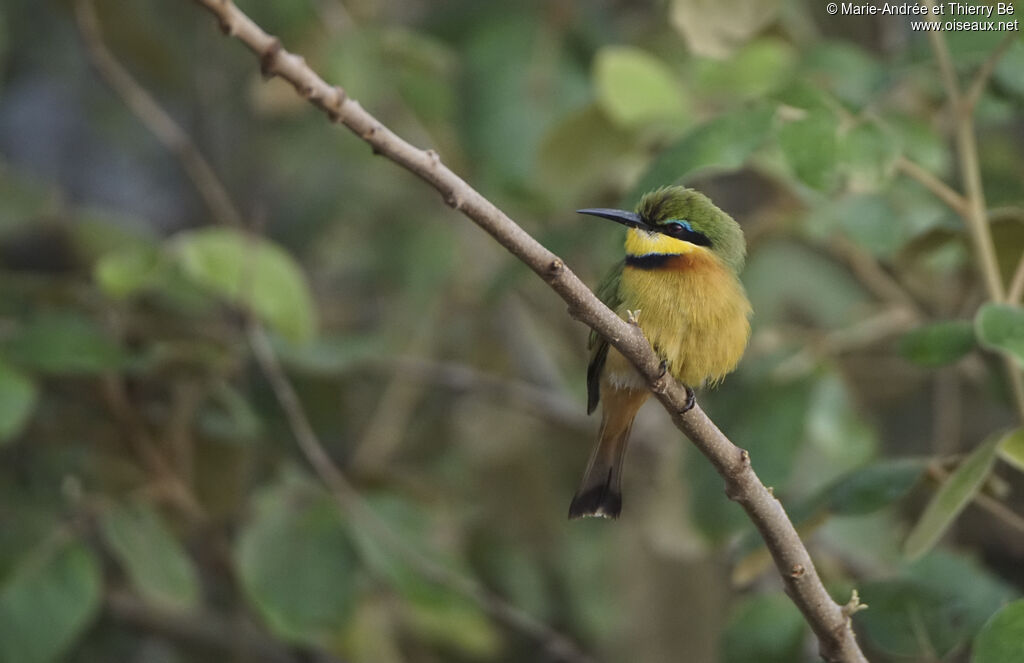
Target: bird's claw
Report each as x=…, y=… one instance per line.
x=662, y=368
x=633, y=317
x=691, y=400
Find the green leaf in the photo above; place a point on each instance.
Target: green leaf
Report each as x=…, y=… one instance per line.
x=229, y=415
x=787, y=280
x=754, y=71
x=251, y=272
x=939, y=343
x=716, y=27
x=724, y=143
x=1001, y=327
x=331, y=354
x=1009, y=73
x=972, y=591
x=774, y=430
x=18, y=396
x=296, y=562
x=634, y=87
x=158, y=567
x=425, y=68
x=98, y=232
x=48, y=602
x=581, y=149
x=124, y=272
x=810, y=146
x=1011, y=449
x=434, y=611
x=951, y=498
x=868, y=489
x=914, y=613
x=65, y=343
x=439, y=615
x=902, y=612
x=920, y=142
x=1002, y=638
x=868, y=155
x=844, y=70
x=505, y=108
x=836, y=428
x=868, y=219
x=765, y=628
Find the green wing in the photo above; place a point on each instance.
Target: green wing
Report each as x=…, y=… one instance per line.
x=608, y=292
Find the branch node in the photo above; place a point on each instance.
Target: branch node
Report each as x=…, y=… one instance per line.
x=853, y=606
x=797, y=571
x=226, y=26
x=340, y=97
x=434, y=157
x=741, y=483
x=733, y=492
x=268, y=58
x=453, y=200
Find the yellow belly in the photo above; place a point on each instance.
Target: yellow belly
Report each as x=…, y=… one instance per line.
x=695, y=314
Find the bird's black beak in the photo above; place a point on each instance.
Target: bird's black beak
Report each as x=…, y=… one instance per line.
x=631, y=219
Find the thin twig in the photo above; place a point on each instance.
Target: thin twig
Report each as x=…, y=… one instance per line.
x=383, y=434
x=160, y=124
x=349, y=500
x=996, y=508
x=976, y=217
x=146, y=447
x=874, y=277
x=985, y=71
x=1017, y=284
x=186, y=398
x=235, y=638
x=942, y=191
x=559, y=645
x=827, y=619
x=948, y=408
x=863, y=334
x=970, y=172
x=545, y=403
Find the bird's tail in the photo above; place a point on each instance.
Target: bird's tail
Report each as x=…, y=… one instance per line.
x=600, y=491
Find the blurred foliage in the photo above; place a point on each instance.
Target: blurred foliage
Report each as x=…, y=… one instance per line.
x=143, y=454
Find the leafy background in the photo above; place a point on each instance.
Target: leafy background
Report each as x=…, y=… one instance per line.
x=155, y=507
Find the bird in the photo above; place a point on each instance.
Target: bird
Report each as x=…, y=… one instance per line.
x=679, y=281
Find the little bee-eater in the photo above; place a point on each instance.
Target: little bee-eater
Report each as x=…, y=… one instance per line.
x=680, y=283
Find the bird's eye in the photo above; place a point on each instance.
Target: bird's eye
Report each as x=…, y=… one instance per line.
x=677, y=228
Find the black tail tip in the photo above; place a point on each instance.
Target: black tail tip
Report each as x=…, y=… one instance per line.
x=598, y=502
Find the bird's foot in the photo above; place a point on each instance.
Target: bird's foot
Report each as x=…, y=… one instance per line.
x=633, y=317
x=691, y=399
x=662, y=368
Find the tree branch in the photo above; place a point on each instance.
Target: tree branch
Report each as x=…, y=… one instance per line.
x=556, y=644
x=828, y=620
x=209, y=630
x=942, y=191
x=156, y=119
x=985, y=71
x=976, y=215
